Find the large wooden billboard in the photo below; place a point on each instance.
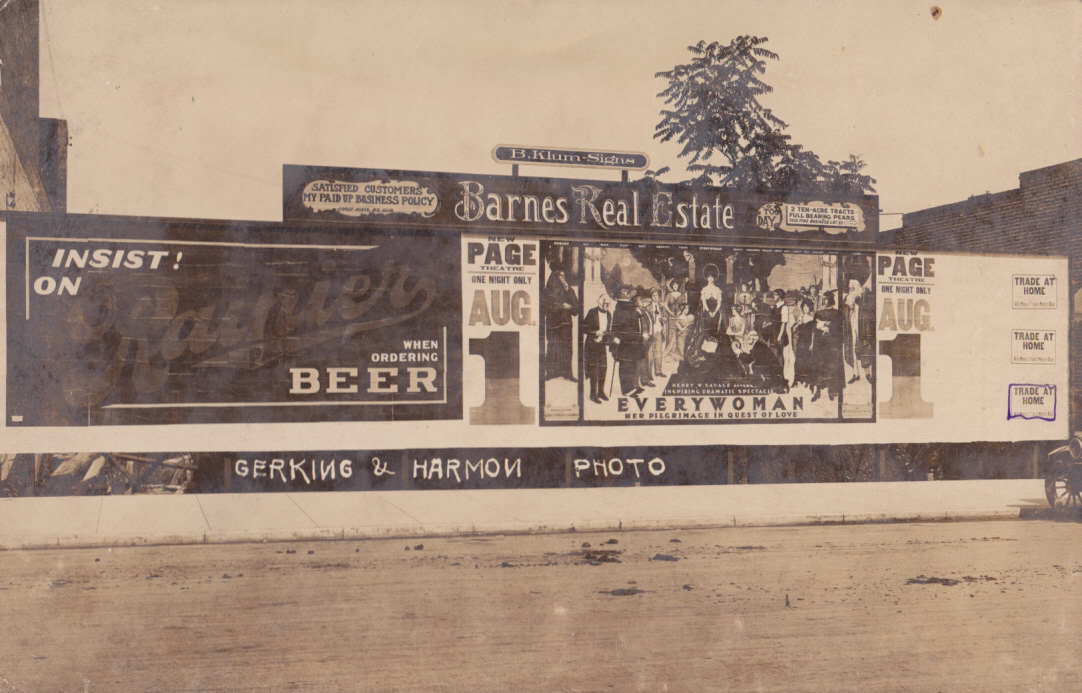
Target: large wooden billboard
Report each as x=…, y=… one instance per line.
x=419, y=329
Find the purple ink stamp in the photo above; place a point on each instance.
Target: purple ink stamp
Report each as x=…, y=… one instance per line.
x=1031, y=401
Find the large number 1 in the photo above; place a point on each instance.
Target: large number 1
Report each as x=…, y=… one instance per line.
x=905, y=401
x=502, y=404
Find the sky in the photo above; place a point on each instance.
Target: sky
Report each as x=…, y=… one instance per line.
x=190, y=108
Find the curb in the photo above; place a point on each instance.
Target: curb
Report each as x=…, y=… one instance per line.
x=80, y=541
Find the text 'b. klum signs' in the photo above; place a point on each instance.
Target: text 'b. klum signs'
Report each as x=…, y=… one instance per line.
x=151, y=323
x=553, y=156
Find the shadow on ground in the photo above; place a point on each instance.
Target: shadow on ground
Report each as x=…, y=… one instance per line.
x=1072, y=514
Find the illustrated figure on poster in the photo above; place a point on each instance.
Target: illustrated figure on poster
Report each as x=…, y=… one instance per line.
x=744, y=298
x=710, y=302
x=646, y=330
x=679, y=320
x=692, y=288
x=738, y=324
x=859, y=328
x=560, y=305
x=659, y=317
x=788, y=316
x=629, y=349
x=828, y=263
x=829, y=373
x=776, y=322
x=803, y=342
x=742, y=271
x=759, y=363
x=813, y=295
x=830, y=300
x=597, y=339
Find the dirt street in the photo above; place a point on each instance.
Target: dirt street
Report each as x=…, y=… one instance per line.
x=951, y=606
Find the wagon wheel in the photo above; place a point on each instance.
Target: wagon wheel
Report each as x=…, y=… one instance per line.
x=1063, y=486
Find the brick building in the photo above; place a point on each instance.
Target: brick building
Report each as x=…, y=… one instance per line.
x=1043, y=215
x=33, y=150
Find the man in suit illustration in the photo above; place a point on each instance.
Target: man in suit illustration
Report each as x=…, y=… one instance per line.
x=597, y=337
x=627, y=339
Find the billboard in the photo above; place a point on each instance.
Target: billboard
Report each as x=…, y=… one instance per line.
x=421, y=343
x=135, y=322
x=559, y=207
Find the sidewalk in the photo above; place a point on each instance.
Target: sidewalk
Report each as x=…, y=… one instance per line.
x=222, y=518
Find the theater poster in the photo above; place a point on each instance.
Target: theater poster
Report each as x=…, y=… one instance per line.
x=639, y=333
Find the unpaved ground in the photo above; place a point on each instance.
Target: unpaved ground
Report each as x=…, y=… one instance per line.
x=962, y=606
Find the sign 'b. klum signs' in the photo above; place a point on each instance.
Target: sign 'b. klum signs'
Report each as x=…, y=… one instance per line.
x=550, y=156
x=121, y=322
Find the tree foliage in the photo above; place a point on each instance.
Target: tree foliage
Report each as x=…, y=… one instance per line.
x=713, y=110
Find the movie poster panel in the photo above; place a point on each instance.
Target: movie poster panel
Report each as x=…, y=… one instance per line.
x=149, y=322
x=649, y=333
